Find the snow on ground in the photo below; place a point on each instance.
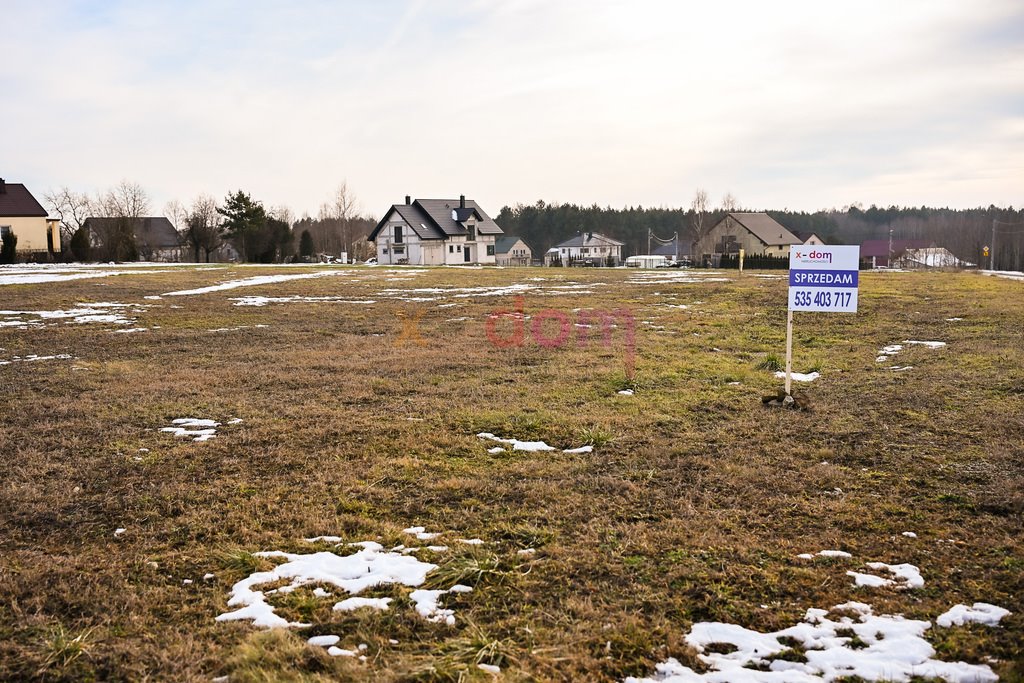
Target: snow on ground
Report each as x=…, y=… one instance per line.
x=887, y=352
x=664, y=276
x=980, y=613
x=874, y=648
x=32, y=357
x=369, y=567
x=799, y=377
x=265, y=300
x=824, y=553
x=253, y=282
x=439, y=293
x=36, y=275
x=1009, y=274
x=198, y=429
x=421, y=533
x=518, y=445
x=904, y=576
x=98, y=312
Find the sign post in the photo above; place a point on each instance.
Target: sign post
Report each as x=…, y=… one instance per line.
x=822, y=279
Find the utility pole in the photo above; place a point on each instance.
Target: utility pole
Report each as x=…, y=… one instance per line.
x=889, y=264
x=648, y=241
x=992, y=248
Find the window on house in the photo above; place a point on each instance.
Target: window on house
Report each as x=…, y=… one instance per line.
x=472, y=232
x=451, y=248
x=399, y=250
x=385, y=250
x=490, y=250
x=5, y=231
x=398, y=234
x=458, y=248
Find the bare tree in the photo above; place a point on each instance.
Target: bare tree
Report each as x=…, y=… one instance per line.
x=176, y=213
x=126, y=200
x=71, y=207
x=698, y=219
x=202, y=231
x=343, y=209
x=730, y=203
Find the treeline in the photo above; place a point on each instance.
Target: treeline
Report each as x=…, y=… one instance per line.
x=239, y=227
x=965, y=232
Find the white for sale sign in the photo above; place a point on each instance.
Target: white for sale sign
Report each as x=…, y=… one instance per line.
x=823, y=278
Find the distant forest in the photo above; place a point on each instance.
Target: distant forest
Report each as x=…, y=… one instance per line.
x=963, y=231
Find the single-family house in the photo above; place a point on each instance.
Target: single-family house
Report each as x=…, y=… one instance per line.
x=880, y=252
x=929, y=257
x=510, y=250
x=755, y=233
x=24, y=217
x=807, y=238
x=434, y=232
x=586, y=249
x=155, y=236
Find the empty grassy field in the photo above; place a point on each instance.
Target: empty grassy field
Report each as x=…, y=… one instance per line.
x=349, y=405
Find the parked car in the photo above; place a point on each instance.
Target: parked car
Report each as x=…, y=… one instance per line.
x=370, y=262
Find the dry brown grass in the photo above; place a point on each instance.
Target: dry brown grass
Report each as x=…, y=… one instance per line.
x=692, y=507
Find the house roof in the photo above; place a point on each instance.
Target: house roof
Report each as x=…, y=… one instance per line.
x=669, y=248
x=765, y=228
x=439, y=218
x=503, y=243
x=155, y=231
x=17, y=202
x=880, y=248
x=589, y=239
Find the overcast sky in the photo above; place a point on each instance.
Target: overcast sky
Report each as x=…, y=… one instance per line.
x=789, y=104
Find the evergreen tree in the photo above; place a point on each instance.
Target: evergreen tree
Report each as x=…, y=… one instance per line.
x=7, y=250
x=80, y=248
x=306, y=248
x=245, y=223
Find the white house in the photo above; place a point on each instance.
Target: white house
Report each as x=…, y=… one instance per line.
x=435, y=232
x=589, y=248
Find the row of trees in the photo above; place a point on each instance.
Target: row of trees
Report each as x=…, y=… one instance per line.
x=206, y=227
x=965, y=232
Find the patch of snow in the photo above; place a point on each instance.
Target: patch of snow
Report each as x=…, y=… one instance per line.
x=260, y=301
x=581, y=449
x=185, y=427
x=350, y=604
x=119, y=531
x=979, y=613
x=799, y=377
x=470, y=541
x=888, y=648
x=929, y=344
x=368, y=568
x=325, y=539
x=421, y=533
x=909, y=534
x=335, y=651
x=251, y=282
x=904, y=576
x=207, y=577
x=626, y=392
x=489, y=668
x=495, y=450
x=186, y=582
x=824, y=553
x=427, y=604
x=323, y=641
x=526, y=551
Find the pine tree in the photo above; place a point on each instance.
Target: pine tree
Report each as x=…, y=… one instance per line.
x=306, y=248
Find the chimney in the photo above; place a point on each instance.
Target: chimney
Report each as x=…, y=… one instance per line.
x=408, y=199
x=3, y=186
x=462, y=201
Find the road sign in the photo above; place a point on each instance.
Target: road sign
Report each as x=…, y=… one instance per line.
x=984, y=251
x=823, y=278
